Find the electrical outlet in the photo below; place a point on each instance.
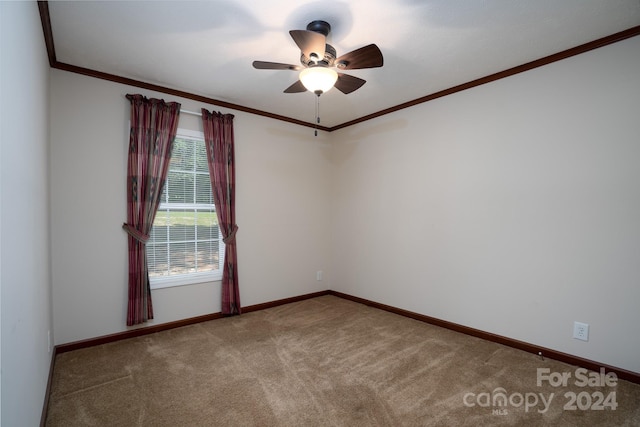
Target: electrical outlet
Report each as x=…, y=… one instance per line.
x=319, y=275
x=581, y=331
x=49, y=341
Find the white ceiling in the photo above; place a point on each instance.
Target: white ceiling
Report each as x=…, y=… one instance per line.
x=207, y=47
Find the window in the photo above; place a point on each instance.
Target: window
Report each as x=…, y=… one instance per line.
x=185, y=245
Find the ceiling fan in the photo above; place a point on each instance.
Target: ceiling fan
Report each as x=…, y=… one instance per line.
x=319, y=62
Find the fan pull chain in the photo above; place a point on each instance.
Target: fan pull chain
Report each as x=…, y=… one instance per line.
x=317, y=114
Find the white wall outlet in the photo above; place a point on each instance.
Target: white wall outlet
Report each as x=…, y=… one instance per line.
x=49, y=341
x=319, y=275
x=581, y=331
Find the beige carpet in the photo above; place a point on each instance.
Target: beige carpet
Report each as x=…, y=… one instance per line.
x=321, y=362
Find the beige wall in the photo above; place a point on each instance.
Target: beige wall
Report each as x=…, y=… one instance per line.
x=283, y=187
x=25, y=277
x=512, y=207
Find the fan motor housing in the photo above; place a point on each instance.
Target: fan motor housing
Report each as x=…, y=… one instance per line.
x=328, y=59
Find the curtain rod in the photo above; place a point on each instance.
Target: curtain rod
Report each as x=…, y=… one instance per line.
x=190, y=112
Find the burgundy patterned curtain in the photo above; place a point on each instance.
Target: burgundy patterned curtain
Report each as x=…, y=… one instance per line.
x=218, y=137
x=153, y=129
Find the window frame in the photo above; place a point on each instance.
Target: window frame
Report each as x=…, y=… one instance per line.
x=161, y=282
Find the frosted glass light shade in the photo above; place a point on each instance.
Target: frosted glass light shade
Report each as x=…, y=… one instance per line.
x=318, y=78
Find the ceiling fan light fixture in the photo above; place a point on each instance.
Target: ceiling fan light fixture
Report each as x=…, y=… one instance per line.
x=318, y=79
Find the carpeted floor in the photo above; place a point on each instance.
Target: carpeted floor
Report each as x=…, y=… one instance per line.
x=325, y=362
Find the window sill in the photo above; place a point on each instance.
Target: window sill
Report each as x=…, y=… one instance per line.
x=191, y=279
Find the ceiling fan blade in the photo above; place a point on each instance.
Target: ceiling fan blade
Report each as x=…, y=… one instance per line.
x=262, y=65
x=365, y=57
x=296, y=88
x=347, y=84
x=309, y=43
